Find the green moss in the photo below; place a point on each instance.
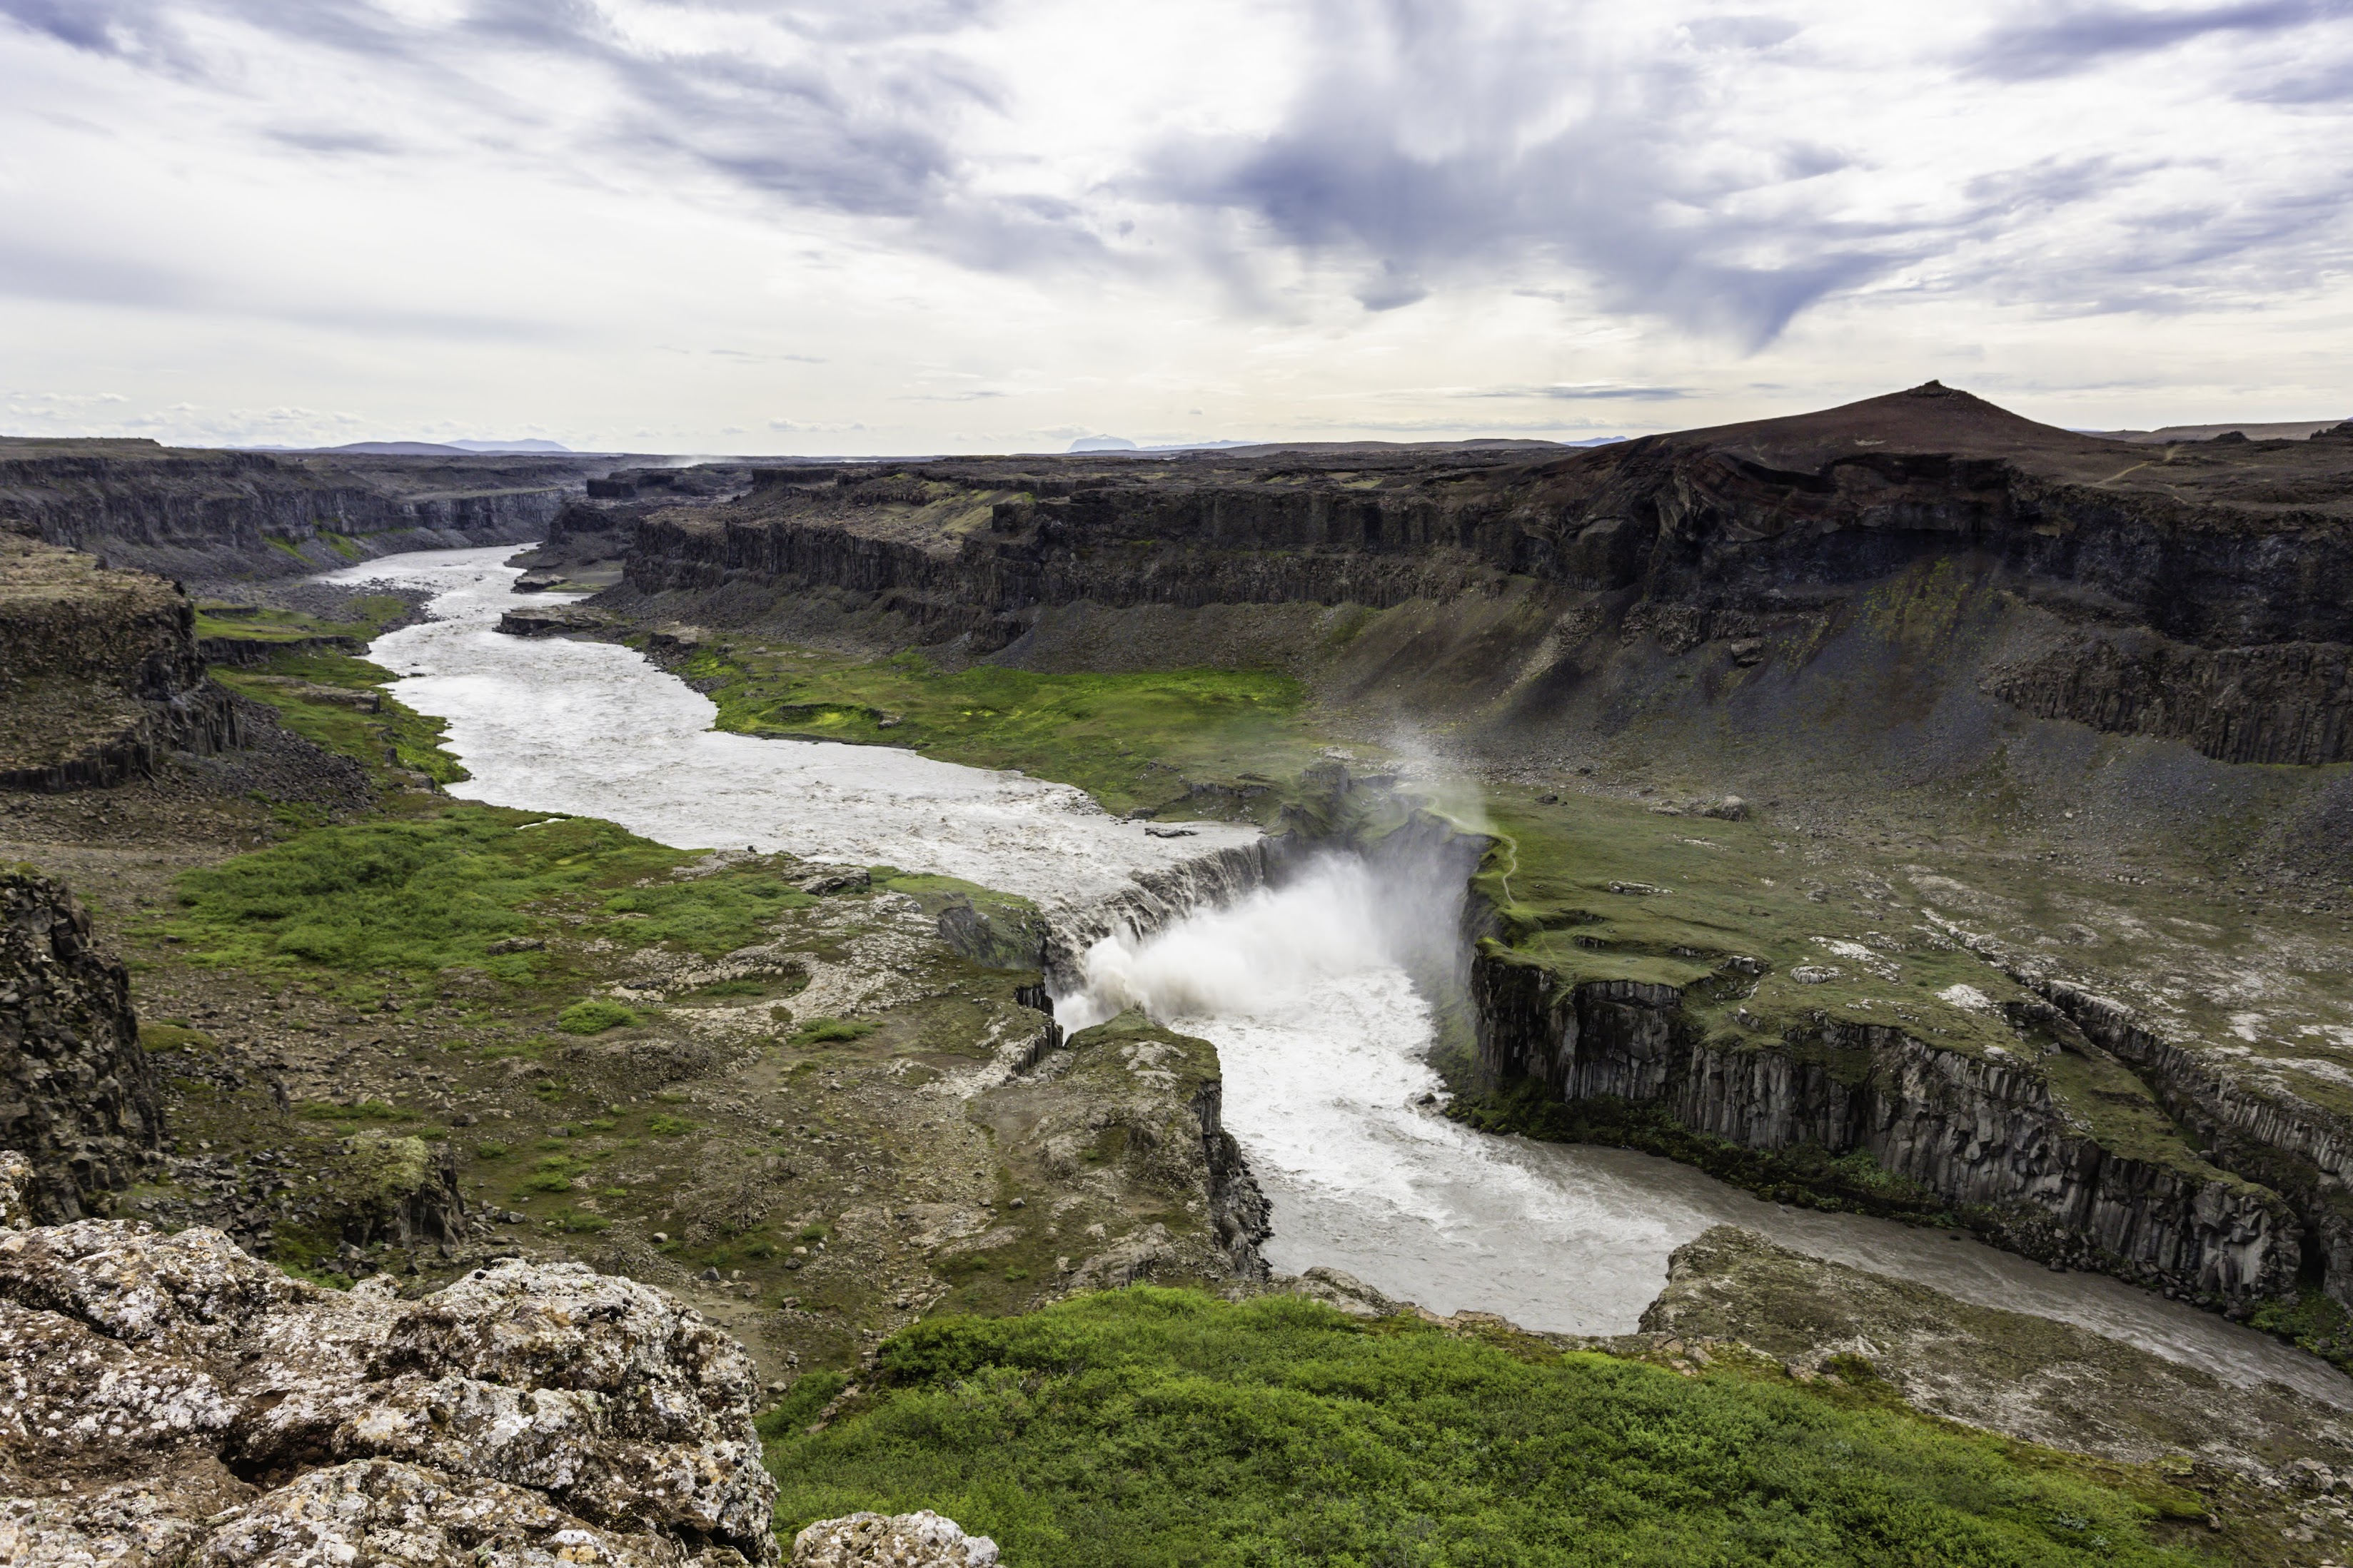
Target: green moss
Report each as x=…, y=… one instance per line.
x=1131, y=740
x=829, y=1031
x=412, y=740
x=1151, y=1426
x=430, y=893
x=364, y=1110
x=2312, y=1320
x=593, y=1017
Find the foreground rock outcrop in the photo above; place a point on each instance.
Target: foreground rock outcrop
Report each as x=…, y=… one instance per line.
x=77, y=1094
x=173, y=1401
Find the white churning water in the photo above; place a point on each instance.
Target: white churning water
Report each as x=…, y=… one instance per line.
x=1301, y=987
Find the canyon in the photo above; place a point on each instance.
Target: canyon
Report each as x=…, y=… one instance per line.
x=1904, y=811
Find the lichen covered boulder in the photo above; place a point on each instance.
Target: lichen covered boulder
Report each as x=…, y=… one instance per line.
x=920, y=1540
x=526, y=1414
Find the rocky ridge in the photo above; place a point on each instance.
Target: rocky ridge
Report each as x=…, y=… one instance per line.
x=216, y=515
x=2192, y=592
x=100, y=672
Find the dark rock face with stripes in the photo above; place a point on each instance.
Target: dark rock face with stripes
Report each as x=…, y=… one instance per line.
x=208, y=1408
x=197, y=514
x=76, y=1096
x=1977, y=1138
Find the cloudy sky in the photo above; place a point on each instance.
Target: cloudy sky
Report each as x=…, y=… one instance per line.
x=906, y=225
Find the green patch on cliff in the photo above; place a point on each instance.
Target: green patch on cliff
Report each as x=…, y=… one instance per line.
x=371, y=613
x=1163, y=1427
x=1771, y=942
x=455, y=888
x=336, y=703
x=1135, y=740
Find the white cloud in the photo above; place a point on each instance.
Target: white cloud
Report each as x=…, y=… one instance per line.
x=926, y=223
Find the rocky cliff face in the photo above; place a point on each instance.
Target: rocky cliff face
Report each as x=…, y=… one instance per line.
x=2196, y=592
x=1985, y=1137
x=100, y=674
x=214, y=515
x=177, y=1401
x=76, y=1096
x=2283, y=1139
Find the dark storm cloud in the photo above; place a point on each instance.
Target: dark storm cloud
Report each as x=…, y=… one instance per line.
x=1425, y=149
x=2078, y=39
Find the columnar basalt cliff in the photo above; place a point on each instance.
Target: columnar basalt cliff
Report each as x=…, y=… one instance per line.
x=100, y=675
x=1983, y=1135
x=77, y=1095
x=2287, y=1142
x=210, y=515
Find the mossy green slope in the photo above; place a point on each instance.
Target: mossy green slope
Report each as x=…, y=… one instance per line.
x=1161, y=1428
x=1134, y=740
x=423, y=894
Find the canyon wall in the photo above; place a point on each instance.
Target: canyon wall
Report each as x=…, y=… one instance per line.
x=209, y=515
x=1983, y=1136
x=78, y=1098
x=2203, y=592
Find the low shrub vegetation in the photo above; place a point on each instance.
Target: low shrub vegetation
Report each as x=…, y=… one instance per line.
x=593, y=1017
x=461, y=888
x=830, y=1031
x=1162, y=1427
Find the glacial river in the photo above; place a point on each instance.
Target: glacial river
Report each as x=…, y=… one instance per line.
x=1321, y=1032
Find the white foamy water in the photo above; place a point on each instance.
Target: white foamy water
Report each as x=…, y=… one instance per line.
x=1322, y=1033
x=551, y=724
x=1323, y=1038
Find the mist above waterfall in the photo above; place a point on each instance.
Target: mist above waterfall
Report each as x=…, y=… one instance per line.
x=1335, y=917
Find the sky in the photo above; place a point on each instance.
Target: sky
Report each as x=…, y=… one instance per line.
x=948, y=225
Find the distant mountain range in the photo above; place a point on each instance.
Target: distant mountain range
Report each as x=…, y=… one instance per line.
x=433, y=448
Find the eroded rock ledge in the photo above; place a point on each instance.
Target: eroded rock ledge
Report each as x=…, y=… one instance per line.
x=172, y=1401
x=100, y=672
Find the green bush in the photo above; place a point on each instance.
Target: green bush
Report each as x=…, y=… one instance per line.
x=829, y=1031
x=1154, y=1428
x=664, y=1125
x=593, y=1017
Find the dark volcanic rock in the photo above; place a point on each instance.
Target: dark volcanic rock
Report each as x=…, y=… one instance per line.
x=76, y=1096
x=200, y=514
x=551, y=620
x=1984, y=1136
x=99, y=673
x=2224, y=558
